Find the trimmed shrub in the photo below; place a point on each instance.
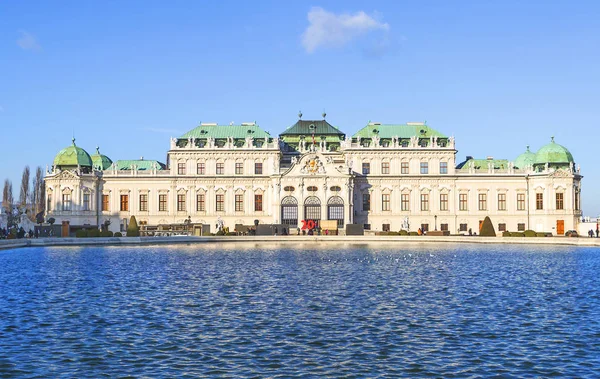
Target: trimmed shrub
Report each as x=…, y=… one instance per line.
x=133, y=229
x=530, y=233
x=487, y=228
x=403, y=232
x=506, y=234
x=106, y=233
x=93, y=233
x=413, y=234
x=517, y=234
x=81, y=233
x=118, y=234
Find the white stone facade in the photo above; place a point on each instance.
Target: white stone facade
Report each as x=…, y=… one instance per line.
x=401, y=187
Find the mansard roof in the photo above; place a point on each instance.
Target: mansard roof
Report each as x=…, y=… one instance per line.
x=141, y=164
x=205, y=130
x=410, y=129
x=482, y=164
x=309, y=127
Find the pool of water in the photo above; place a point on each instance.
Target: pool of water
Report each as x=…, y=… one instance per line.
x=303, y=311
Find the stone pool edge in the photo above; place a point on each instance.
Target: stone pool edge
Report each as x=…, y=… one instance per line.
x=127, y=241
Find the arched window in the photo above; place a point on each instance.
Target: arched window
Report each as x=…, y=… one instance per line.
x=312, y=208
x=289, y=211
x=335, y=210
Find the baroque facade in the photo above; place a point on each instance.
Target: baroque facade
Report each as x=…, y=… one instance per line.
x=385, y=177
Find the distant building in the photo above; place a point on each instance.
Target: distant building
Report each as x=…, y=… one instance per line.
x=385, y=177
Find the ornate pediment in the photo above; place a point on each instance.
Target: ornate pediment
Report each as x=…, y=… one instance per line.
x=560, y=173
x=315, y=164
x=67, y=175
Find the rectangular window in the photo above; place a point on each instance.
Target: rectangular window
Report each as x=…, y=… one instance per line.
x=385, y=227
x=385, y=202
x=483, y=201
x=367, y=226
x=366, y=202
x=404, y=168
x=239, y=168
x=162, y=203
x=501, y=201
x=220, y=168
x=501, y=227
x=521, y=227
x=180, y=168
x=404, y=202
x=462, y=227
x=258, y=203
x=66, y=201
x=385, y=168
x=200, y=203
x=443, y=202
x=462, y=202
x=424, y=201
x=86, y=201
x=201, y=168
x=220, y=205
x=520, y=201
x=239, y=203
x=444, y=227
x=105, y=203
x=258, y=168
x=443, y=167
x=559, y=201
x=424, y=167
x=577, y=196
x=424, y=228
x=124, y=203
x=181, y=202
x=539, y=201
x=49, y=206
x=143, y=202
x=366, y=168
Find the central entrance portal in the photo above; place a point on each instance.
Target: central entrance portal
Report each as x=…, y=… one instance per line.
x=312, y=208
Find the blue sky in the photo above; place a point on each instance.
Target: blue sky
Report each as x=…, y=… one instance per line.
x=125, y=76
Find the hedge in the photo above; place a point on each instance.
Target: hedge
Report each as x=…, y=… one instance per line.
x=118, y=234
x=530, y=233
x=81, y=233
x=403, y=232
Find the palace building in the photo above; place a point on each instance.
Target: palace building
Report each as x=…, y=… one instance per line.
x=386, y=177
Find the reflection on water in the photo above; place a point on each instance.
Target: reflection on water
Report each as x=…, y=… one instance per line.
x=272, y=310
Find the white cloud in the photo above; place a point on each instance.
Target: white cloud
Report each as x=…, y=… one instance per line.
x=327, y=29
x=27, y=41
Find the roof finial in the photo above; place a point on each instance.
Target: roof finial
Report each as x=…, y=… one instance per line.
x=324, y=114
x=98, y=150
x=527, y=147
x=300, y=115
x=552, y=139
x=73, y=140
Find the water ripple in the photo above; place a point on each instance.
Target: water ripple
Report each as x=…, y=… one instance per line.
x=281, y=312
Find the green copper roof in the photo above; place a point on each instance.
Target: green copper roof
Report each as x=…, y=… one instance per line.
x=101, y=162
x=310, y=127
x=72, y=156
x=483, y=164
x=525, y=159
x=142, y=164
x=553, y=153
x=224, y=131
x=398, y=130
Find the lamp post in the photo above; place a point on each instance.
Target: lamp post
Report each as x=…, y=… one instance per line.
x=435, y=218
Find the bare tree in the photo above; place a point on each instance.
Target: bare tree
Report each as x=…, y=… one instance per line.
x=38, y=194
x=24, y=194
x=7, y=197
